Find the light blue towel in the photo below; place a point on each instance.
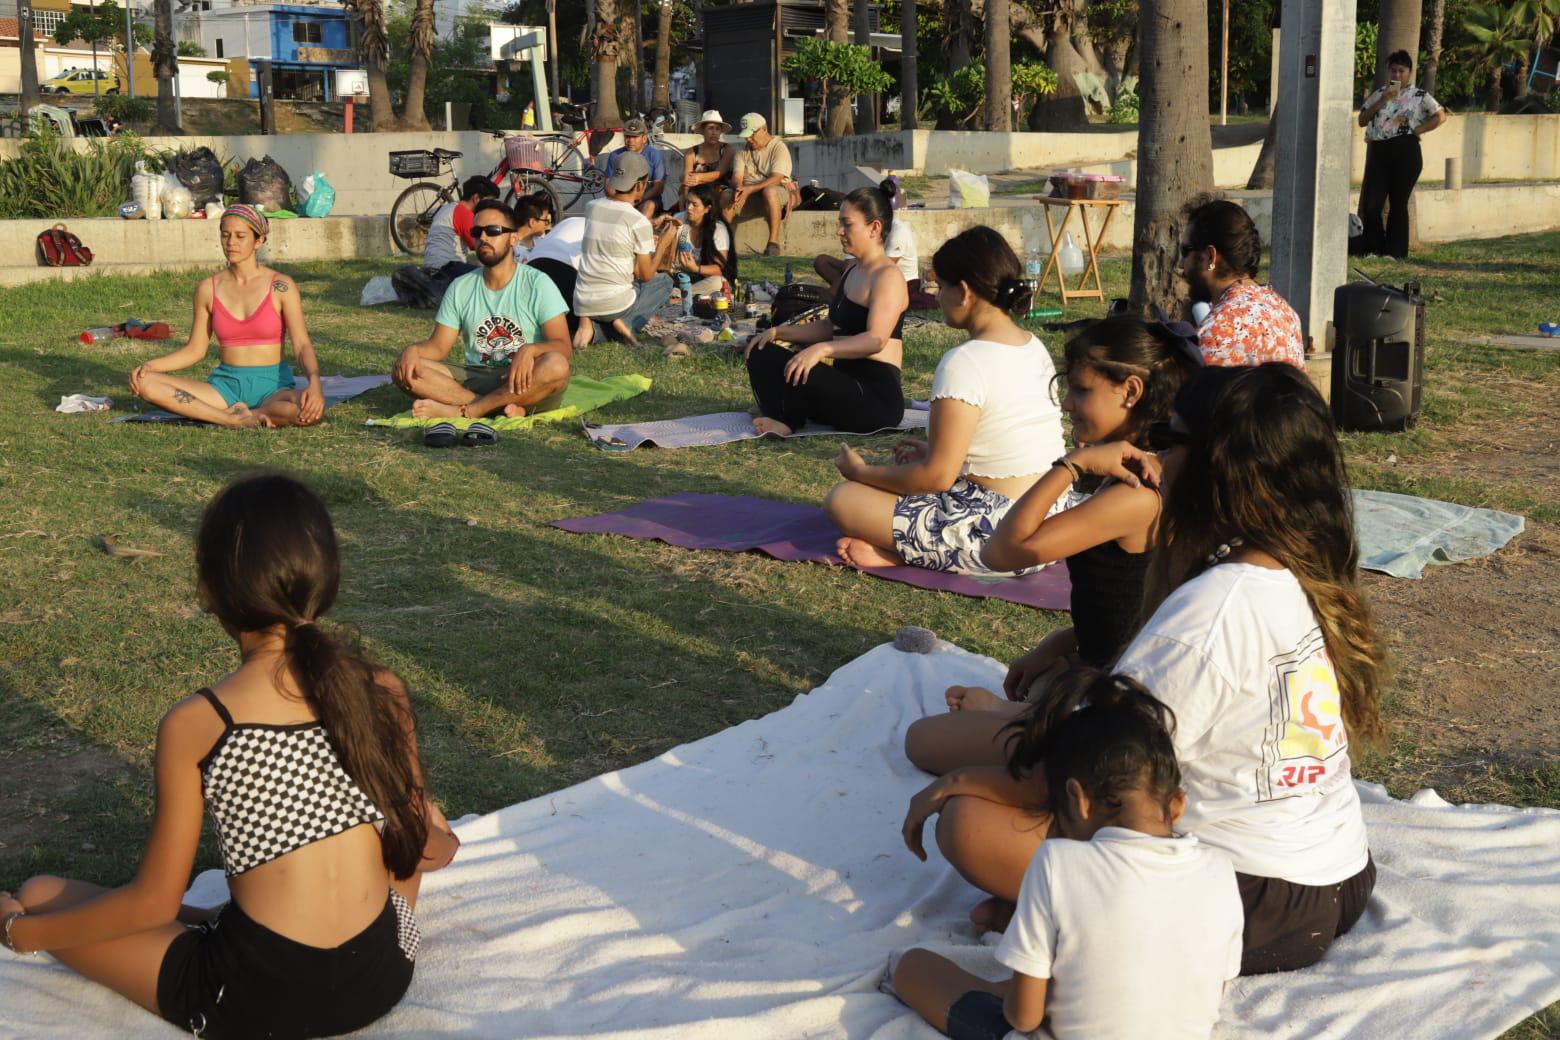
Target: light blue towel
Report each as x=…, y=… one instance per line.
x=1401, y=535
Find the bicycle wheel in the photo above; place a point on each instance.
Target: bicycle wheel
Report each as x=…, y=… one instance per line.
x=572, y=173
x=529, y=182
x=412, y=215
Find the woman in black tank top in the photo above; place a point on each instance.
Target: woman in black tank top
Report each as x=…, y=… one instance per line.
x=710, y=161
x=860, y=392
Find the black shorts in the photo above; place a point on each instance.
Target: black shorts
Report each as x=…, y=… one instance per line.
x=1290, y=926
x=977, y=1016
x=237, y=978
x=563, y=277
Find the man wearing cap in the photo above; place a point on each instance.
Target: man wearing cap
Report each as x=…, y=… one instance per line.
x=763, y=172
x=618, y=286
x=636, y=138
x=711, y=161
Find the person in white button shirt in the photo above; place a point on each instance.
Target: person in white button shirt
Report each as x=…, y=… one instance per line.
x=1124, y=929
x=1260, y=640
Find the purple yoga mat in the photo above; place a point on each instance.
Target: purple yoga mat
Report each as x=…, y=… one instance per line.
x=792, y=532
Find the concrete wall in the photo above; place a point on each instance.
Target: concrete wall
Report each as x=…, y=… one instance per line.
x=1491, y=147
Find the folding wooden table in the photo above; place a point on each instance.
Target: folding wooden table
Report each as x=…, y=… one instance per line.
x=1091, y=244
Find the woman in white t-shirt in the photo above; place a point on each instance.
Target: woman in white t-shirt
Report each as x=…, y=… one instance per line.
x=704, y=250
x=1260, y=641
x=995, y=427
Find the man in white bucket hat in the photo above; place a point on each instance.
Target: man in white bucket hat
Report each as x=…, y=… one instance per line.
x=711, y=161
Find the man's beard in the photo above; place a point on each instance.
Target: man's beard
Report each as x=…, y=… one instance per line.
x=491, y=260
x=1198, y=290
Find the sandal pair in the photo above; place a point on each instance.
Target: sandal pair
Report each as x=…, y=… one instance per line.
x=445, y=435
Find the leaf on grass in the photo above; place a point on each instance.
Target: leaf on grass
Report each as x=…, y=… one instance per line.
x=110, y=544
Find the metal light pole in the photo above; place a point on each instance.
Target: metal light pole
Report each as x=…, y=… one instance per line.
x=552, y=45
x=97, y=84
x=1224, y=68
x=129, y=49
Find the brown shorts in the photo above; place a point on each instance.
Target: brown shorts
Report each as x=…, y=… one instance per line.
x=1290, y=926
x=485, y=379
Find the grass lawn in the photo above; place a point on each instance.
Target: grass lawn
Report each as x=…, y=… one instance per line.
x=537, y=658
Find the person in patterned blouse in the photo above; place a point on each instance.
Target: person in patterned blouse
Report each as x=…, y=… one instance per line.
x=1395, y=117
x=1248, y=323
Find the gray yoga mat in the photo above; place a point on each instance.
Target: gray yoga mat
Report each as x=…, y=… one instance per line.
x=1401, y=535
x=336, y=388
x=701, y=431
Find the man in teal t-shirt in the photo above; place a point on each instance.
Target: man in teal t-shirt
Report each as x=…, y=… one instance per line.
x=511, y=321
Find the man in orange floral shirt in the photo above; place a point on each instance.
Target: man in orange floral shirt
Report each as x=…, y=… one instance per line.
x=1248, y=324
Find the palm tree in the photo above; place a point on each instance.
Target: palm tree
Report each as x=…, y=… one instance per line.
x=29, y=58
x=165, y=64
x=1175, y=146
x=661, y=93
x=999, y=67
x=413, y=117
x=606, y=49
x=374, y=50
x=836, y=26
x=1500, y=38
x=1544, y=17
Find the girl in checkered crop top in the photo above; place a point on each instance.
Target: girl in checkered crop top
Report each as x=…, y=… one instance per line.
x=305, y=756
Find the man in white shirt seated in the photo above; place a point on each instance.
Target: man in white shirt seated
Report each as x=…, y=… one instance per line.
x=618, y=286
x=511, y=320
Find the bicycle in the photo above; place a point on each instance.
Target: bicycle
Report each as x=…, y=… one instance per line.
x=412, y=213
x=544, y=161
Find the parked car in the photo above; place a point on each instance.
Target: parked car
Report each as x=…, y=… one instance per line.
x=81, y=81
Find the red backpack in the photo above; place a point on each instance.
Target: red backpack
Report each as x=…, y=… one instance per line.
x=59, y=248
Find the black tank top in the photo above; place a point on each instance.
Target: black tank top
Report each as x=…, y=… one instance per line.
x=849, y=318
x=1107, y=596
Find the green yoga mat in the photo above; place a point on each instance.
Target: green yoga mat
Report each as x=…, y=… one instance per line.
x=583, y=395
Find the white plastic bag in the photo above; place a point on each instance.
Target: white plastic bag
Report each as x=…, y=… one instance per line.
x=378, y=290
x=146, y=189
x=176, y=198
x=968, y=190
x=213, y=211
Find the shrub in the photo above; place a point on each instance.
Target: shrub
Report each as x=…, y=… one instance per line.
x=1124, y=110
x=49, y=178
x=126, y=108
x=191, y=49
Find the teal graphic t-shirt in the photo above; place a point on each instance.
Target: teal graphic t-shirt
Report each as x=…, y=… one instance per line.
x=495, y=325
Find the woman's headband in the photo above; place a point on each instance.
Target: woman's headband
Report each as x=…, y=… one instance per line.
x=249, y=215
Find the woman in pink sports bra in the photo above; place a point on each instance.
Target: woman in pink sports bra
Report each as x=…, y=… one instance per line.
x=252, y=386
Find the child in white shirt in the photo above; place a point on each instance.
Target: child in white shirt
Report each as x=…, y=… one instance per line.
x=1122, y=929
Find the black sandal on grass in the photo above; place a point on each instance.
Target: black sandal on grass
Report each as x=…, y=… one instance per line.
x=441, y=435
x=479, y=435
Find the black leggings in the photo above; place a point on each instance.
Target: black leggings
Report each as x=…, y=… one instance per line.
x=1392, y=168
x=563, y=276
x=857, y=395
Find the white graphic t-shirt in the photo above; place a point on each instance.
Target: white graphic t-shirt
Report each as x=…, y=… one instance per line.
x=1400, y=115
x=1237, y=655
x=495, y=325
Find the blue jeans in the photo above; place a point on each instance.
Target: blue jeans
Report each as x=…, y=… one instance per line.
x=649, y=297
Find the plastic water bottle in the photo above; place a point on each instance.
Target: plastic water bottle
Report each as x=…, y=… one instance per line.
x=790, y=276
x=723, y=318
x=685, y=286
x=1034, y=263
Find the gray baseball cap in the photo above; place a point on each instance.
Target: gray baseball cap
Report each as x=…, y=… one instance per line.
x=628, y=169
x=635, y=127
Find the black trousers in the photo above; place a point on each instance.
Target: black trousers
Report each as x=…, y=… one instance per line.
x=1392, y=168
x=857, y=395
x=563, y=276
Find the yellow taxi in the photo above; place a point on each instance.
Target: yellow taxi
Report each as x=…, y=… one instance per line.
x=81, y=81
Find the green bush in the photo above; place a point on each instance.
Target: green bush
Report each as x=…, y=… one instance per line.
x=50, y=178
x=1124, y=110
x=126, y=108
x=191, y=49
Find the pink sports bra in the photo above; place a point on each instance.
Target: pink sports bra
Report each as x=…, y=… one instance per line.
x=263, y=328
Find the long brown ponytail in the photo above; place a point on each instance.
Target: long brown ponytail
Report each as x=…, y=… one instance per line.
x=1263, y=465
x=266, y=557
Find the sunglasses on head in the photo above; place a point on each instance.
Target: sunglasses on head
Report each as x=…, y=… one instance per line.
x=491, y=230
x=1162, y=436
x=1187, y=250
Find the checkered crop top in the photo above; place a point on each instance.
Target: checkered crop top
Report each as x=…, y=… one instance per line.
x=272, y=789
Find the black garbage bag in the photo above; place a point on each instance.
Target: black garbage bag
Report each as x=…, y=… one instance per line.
x=200, y=171
x=263, y=183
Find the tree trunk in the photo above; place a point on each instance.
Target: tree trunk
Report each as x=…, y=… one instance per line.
x=1433, y=44
x=1175, y=146
x=1399, y=31
x=374, y=51
x=1492, y=102
x=636, y=37
x=606, y=46
x=909, y=87
x=1262, y=173
x=165, y=64
x=29, y=58
x=999, y=67
x=866, y=104
x=1519, y=86
x=415, y=116
x=836, y=27
x=1053, y=38
x=661, y=96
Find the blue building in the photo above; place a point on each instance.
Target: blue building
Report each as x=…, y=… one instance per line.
x=306, y=43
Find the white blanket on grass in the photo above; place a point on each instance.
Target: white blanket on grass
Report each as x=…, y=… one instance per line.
x=753, y=884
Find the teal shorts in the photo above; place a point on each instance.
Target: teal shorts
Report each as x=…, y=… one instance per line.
x=251, y=384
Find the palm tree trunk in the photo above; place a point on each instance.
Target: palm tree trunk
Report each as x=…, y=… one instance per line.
x=29, y=58
x=1266, y=166
x=661, y=95
x=374, y=50
x=841, y=120
x=999, y=67
x=1399, y=31
x=909, y=86
x=1433, y=44
x=165, y=64
x=606, y=47
x=415, y=117
x=1175, y=147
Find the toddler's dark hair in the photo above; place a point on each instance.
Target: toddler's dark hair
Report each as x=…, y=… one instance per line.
x=1105, y=731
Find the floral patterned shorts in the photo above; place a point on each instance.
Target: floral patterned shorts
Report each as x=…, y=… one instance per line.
x=946, y=531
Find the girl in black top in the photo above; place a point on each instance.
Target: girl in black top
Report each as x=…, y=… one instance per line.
x=1122, y=374
x=710, y=161
x=861, y=391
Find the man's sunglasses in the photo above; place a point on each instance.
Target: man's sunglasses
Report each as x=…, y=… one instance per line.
x=1162, y=436
x=491, y=230
x=1187, y=250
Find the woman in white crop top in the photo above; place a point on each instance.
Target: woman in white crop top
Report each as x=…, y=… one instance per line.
x=995, y=427
x=306, y=758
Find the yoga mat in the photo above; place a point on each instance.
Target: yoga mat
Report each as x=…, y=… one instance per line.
x=701, y=431
x=335, y=388
x=794, y=532
x=582, y=395
x=752, y=885
x=1401, y=535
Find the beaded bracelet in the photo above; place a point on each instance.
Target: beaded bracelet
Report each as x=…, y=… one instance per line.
x=1077, y=474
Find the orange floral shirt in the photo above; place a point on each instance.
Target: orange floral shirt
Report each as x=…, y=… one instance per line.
x=1250, y=325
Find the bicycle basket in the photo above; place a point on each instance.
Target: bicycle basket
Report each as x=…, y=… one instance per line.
x=414, y=164
x=525, y=153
